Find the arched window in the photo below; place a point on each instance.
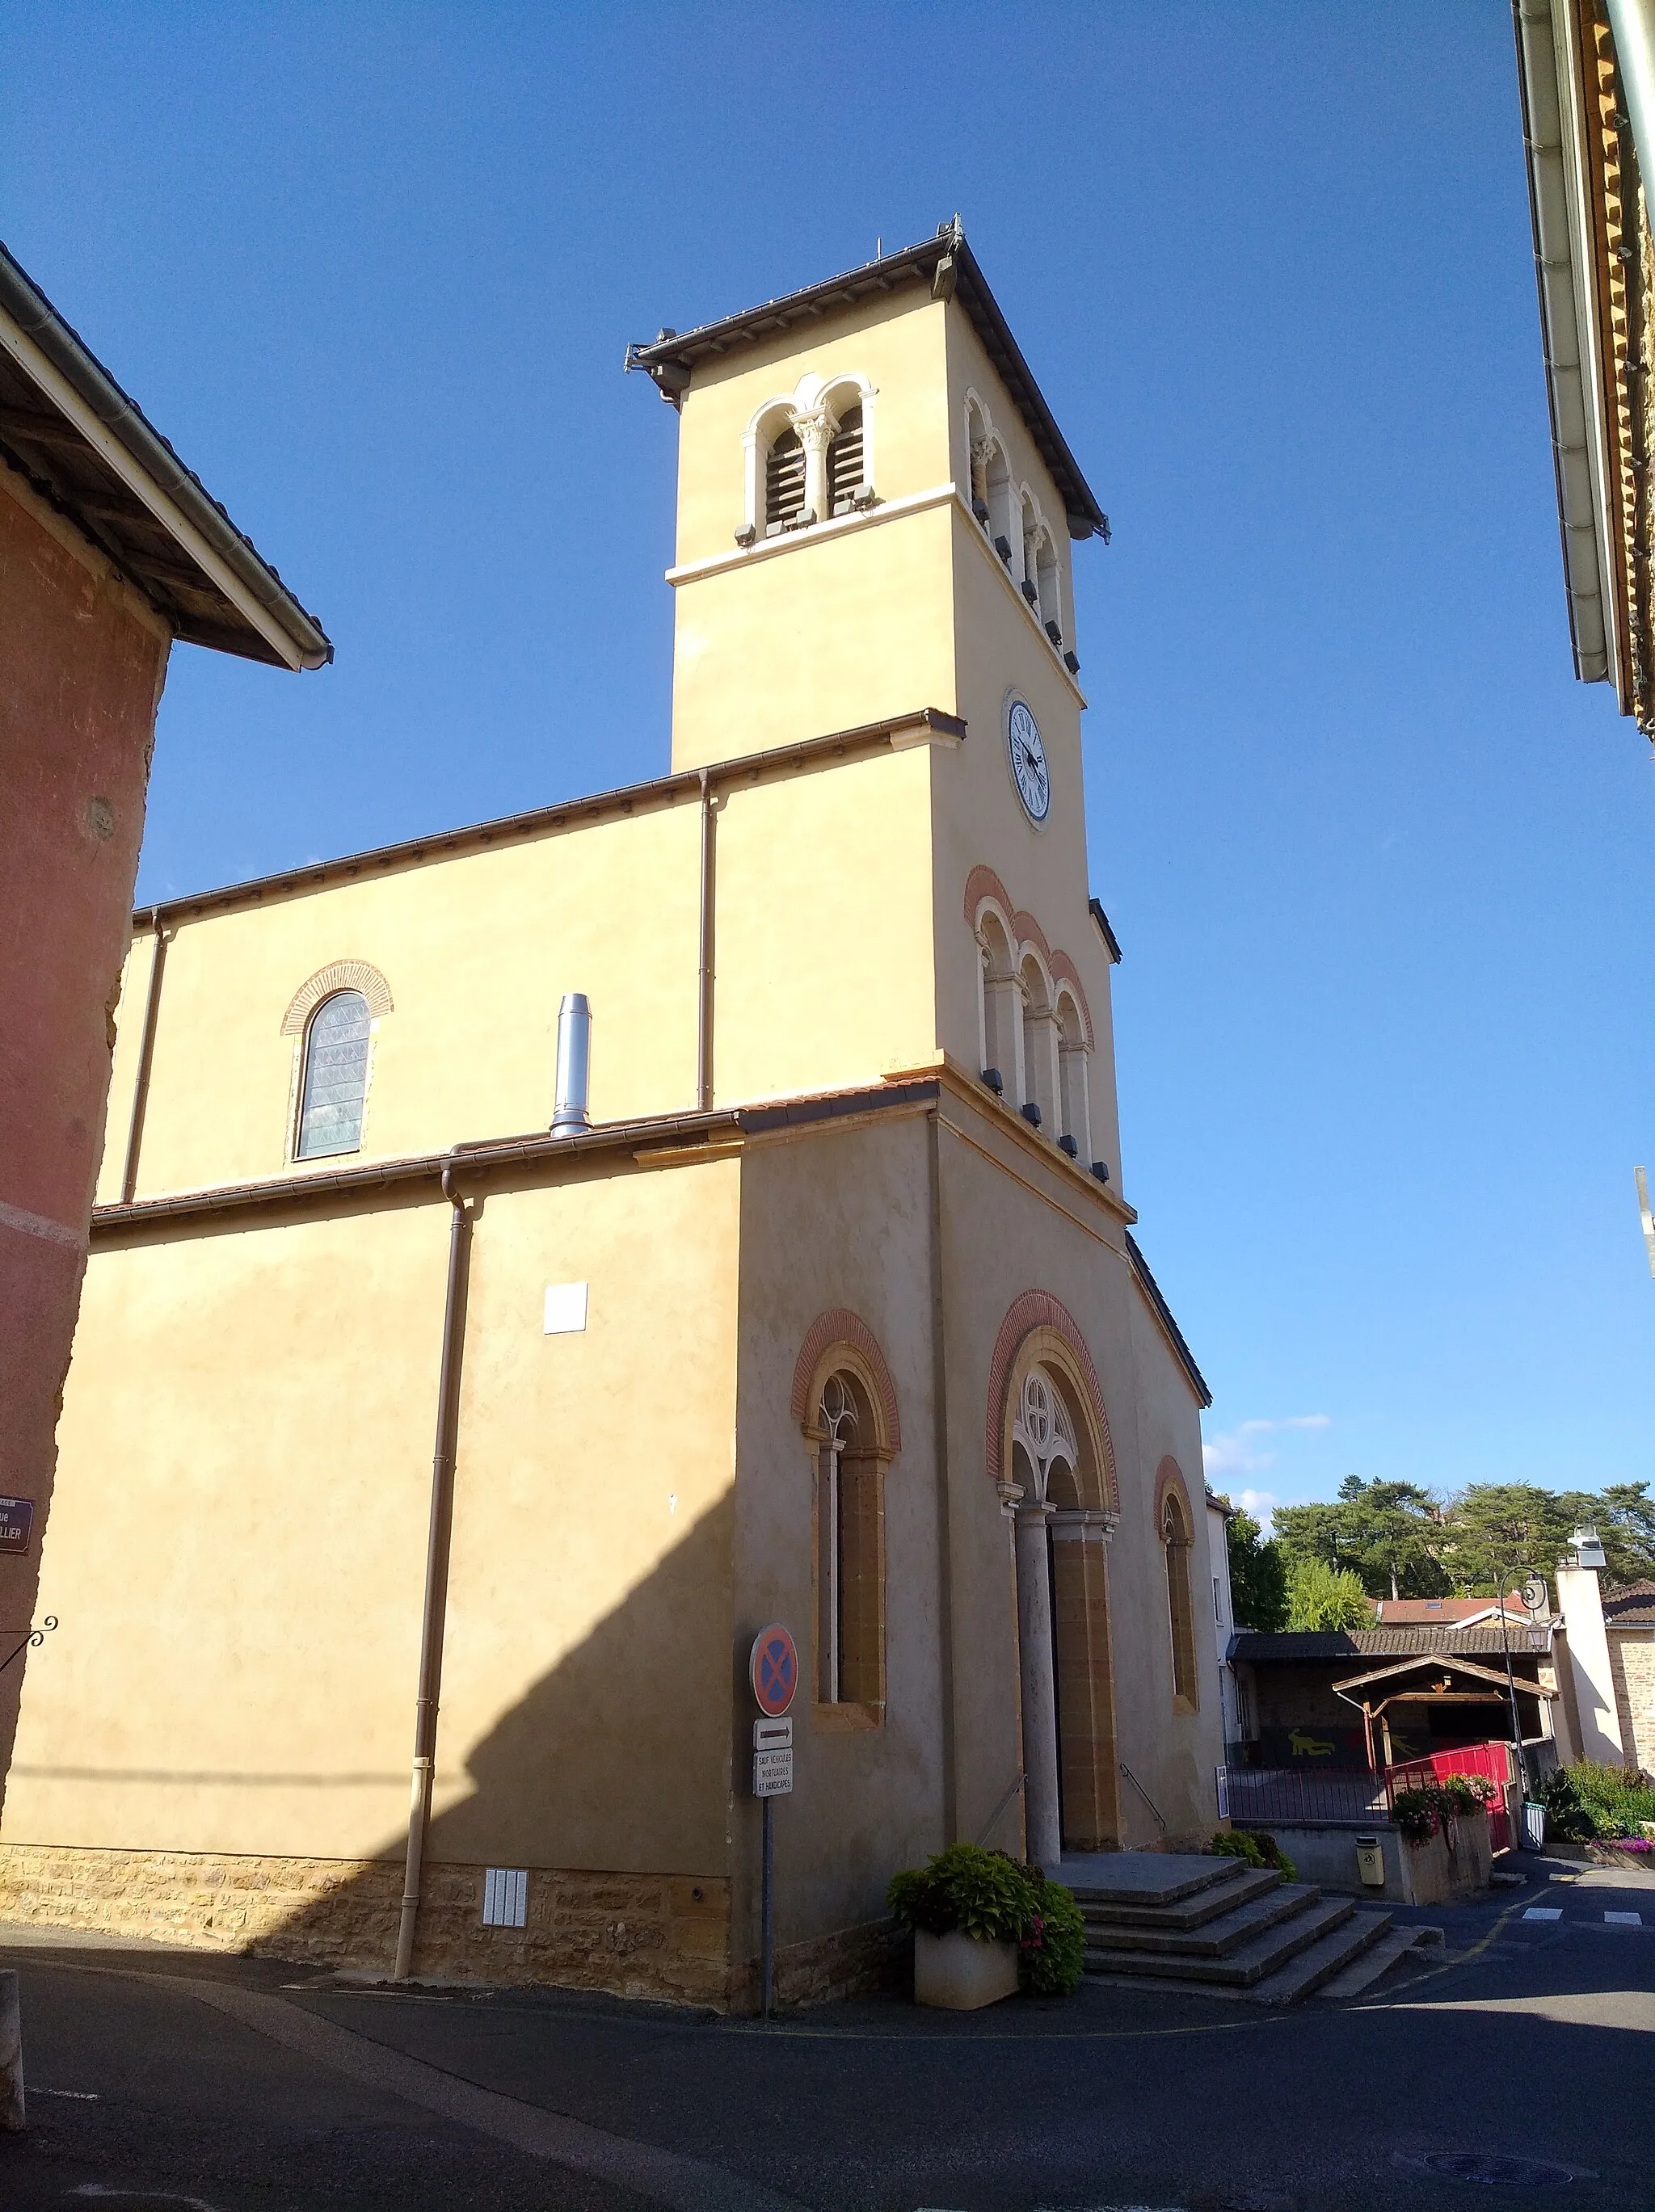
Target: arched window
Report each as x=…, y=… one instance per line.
x=844, y=463
x=997, y=494
x=1039, y=1047
x=1175, y=1542
x=849, y=1547
x=1000, y=1007
x=784, y=483
x=1049, y=608
x=335, y=1078
x=1074, y=1106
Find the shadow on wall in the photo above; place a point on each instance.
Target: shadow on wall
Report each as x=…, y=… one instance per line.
x=617, y=1759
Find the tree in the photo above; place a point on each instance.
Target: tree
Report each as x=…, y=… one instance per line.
x=1387, y=1533
x=1258, y=1574
x=1495, y=1530
x=1320, y=1596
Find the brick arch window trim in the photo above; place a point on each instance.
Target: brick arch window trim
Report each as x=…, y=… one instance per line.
x=838, y=1326
x=983, y=887
x=338, y=975
x=1028, y=1311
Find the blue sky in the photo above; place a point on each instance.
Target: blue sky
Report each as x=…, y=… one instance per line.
x=1383, y=1023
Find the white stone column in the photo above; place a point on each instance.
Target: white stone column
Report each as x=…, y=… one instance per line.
x=1582, y=1607
x=1041, y=1817
x=815, y=435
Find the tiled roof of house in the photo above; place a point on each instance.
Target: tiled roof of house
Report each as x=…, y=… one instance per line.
x=1633, y=1606
x=1434, y=1612
x=1287, y=1645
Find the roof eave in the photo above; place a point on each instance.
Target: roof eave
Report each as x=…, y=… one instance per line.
x=954, y=271
x=74, y=386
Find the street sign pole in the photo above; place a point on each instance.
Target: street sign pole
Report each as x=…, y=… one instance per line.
x=770, y=1906
x=773, y=1671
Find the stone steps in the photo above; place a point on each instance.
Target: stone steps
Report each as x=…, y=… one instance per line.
x=1227, y=1925
x=1223, y=1893
x=1247, y=1964
x=1358, y=1977
x=1316, y=1966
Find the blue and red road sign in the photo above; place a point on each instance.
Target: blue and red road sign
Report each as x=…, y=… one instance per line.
x=773, y=1669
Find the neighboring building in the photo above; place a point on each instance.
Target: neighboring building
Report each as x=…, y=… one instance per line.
x=1428, y=1690
x=1630, y=1619
x=1237, y=1722
x=1444, y=1612
x=830, y=1315
x=1587, y=75
x=109, y=550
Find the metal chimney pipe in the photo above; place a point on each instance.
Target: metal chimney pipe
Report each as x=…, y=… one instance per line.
x=570, y=1115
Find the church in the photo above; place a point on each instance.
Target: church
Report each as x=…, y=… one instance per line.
x=531, y=1259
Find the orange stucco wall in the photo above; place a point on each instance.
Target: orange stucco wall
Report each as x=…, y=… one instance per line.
x=80, y=675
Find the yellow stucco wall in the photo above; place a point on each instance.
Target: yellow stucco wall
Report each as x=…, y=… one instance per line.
x=237, y=1554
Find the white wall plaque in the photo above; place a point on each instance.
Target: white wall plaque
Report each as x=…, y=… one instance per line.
x=565, y=1309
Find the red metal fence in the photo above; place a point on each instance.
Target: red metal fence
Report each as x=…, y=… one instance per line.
x=1266, y=1796
x=1491, y=1760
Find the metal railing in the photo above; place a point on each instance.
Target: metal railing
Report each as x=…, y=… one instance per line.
x=1291, y=1796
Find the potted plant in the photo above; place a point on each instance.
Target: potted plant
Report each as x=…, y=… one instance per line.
x=985, y=1925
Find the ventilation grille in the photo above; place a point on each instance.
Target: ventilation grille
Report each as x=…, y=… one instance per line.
x=505, y=1896
x=845, y=463
x=784, y=482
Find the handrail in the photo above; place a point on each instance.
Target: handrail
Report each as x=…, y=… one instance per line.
x=1145, y=1795
x=987, y=1828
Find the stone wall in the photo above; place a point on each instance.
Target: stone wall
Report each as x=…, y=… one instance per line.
x=851, y=1962
x=1632, y=1662
x=643, y=1935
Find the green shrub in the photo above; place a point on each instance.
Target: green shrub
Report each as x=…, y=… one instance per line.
x=1254, y=1851
x=967, y=1889
x=1616, y=1799
x=1053, y=1954
x=1566, y=1818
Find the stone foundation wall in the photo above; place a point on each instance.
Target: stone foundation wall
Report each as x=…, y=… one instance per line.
x=640, y=1935
x=851, y=1962
x=1632, y=1662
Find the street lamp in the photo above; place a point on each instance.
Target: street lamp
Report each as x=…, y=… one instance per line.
x=1504, y=1572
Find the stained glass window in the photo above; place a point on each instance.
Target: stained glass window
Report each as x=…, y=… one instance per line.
x=335, y=1077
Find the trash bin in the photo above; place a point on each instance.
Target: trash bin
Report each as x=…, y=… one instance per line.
x=1534, y=1826
x=1369, y=1863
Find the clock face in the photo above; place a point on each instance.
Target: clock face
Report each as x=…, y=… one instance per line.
x=1028, y=760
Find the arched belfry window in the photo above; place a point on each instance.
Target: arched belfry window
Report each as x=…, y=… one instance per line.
x=844, y=463
x=334, y=1083
x=784, y=480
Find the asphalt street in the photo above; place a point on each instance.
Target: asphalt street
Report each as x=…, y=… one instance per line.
x=1512, y=2063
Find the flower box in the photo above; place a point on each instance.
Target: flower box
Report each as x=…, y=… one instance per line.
x=962, y=1973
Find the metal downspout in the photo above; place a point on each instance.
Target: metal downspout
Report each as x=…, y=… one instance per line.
x=146, y=1050
x=433, y=1617
x=704, y=971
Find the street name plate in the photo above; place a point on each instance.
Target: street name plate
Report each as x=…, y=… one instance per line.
x=773, y=1773
x=16, y=1519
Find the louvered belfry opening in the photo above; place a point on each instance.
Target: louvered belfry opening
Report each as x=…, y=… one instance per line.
x=845, y=463
x=784, y=482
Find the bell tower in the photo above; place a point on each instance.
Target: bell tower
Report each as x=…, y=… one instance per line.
x=832, y=446
x=876, y=515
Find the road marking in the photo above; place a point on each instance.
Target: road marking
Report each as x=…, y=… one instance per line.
x=1624, y=1919
x=81, y=2096
x=1544, y=1912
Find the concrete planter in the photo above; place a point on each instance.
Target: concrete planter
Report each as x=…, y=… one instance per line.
x=962, y=1973
x=1434, y=1874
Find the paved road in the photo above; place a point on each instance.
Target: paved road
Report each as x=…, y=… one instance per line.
x=160, y=2077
